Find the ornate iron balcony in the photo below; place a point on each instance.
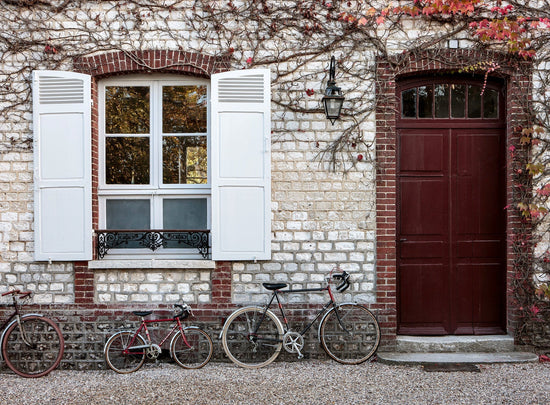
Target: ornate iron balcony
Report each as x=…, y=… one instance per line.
x=152, y=239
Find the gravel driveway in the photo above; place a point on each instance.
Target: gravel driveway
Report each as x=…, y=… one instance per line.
x=305, y=382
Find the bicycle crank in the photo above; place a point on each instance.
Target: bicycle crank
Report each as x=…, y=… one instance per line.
x=153, y=351
x=293, y=342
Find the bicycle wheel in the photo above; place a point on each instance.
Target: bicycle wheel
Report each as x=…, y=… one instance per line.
x=42, y=351
x=251, y=339
x=118, y=360
x=349, y=333
x=194, y=351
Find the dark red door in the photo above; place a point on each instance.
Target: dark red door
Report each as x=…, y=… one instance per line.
x=451, y=218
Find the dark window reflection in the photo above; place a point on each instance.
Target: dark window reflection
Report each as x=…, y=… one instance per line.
x=441, y=95
x=128, y=214
x=126, y=110
x=474, y=102
x=184, y=160
x=425, y=101
x=490, y=103
x=458, y=100
x=127, y=160
x=183, y=109
x=408, y=103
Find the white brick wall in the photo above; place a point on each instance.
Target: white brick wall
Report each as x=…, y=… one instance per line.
x=320, y=219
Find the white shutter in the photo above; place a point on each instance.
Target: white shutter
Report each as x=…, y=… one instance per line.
x=241, y=165
x=62, y=166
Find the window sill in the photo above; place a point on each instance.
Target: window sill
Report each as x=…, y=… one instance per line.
x=151, y=264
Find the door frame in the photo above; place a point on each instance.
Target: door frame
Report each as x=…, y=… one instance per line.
x=444, y=61
x=452, y=262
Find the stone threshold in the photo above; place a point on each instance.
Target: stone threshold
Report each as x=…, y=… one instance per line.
x=455, y=358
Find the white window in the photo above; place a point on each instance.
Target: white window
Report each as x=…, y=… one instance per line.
x=175, y=153
x=154, y=137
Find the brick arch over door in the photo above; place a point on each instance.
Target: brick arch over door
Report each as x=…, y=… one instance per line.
x=104, y=65
x=386, y=149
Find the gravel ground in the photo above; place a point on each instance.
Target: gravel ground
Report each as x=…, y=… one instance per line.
x=305, y=382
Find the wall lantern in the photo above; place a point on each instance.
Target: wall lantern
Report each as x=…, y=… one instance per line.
x=333, y=99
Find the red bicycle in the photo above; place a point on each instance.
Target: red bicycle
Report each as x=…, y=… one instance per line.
x=190, y=347
x=32, y=345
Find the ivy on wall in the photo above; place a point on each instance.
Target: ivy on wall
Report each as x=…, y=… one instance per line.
x=296, y=39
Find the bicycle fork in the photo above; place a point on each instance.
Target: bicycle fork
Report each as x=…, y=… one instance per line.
x=23, y=332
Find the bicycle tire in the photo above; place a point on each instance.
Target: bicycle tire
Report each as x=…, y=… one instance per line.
x=196, y=353
x=349, y=333
x=45, y=352
x=246, y=350
x=114, y=352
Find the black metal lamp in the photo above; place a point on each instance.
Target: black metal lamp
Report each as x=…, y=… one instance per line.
x=333, y=99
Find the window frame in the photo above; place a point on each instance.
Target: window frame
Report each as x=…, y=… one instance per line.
x=155, y=191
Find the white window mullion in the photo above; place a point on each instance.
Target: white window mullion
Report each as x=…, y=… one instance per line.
x=156, y=136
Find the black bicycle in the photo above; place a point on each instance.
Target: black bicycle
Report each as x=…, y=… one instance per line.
x=253, y=336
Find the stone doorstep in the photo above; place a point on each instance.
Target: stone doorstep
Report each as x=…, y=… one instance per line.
x=421, y=350
x=454, y=344
x=455, y=358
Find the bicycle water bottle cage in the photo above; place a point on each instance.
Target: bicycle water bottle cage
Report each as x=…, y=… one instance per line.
x=274, y=286
x=142, y=313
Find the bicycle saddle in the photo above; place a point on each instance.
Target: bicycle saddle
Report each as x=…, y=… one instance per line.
x=274, y=286
x=142, y=313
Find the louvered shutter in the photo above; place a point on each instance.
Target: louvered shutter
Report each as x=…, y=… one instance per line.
x=241, y=165
x=62, y=166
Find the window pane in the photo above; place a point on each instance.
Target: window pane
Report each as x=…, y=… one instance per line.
x=128, y=214
x=126, y=110
x=183, y=109
x=184, y=213
x=188, y=213
x=408, y=103
x=490, y=104
x=127, y=160
x=474, y=102
x=458, y=100
x=425, y=101
x=441, y=93
x=184, y=160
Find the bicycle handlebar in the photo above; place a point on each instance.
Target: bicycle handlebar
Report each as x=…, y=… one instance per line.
x=185, y=311
x=21, y=294
x=344, y=285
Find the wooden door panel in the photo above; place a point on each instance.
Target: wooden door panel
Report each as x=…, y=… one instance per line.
x=451, y=229
x=423, y=207
x=424, y=292
x=479, y=304
x=478, y=264
x=478, y=174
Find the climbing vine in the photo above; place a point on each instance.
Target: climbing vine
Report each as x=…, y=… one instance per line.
x=295, y=39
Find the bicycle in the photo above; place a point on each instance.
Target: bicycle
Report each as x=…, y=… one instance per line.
x=32, y=345
x=253, y=336
x=190, y=347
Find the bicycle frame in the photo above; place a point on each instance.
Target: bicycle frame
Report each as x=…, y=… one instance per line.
x=322, y=311
x=17, y=315
x=143, y=326
x=275, y=296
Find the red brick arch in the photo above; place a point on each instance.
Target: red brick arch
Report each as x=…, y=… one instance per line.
x=163, y=61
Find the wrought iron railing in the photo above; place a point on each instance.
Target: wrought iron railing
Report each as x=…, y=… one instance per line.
x=152, y=239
